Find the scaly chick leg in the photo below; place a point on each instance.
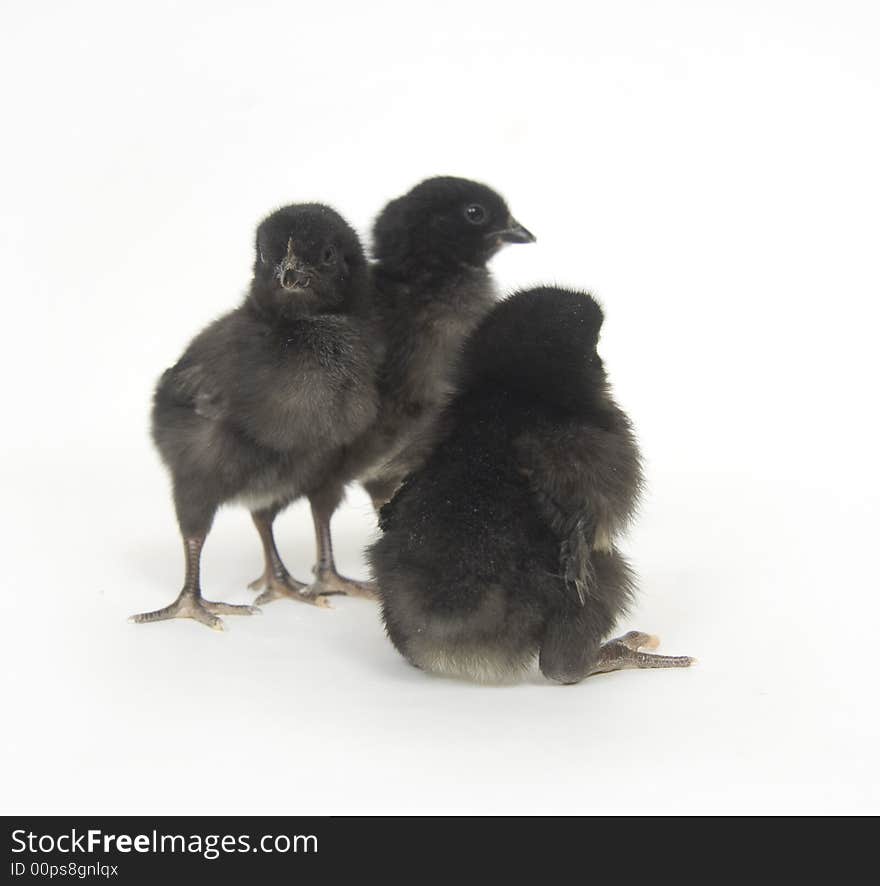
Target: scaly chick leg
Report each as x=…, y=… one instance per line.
x=276, y=582
x=190, y=603
x=625, y=652
x=327, y=579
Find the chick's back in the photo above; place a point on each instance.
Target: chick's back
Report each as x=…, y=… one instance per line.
x=471, y=563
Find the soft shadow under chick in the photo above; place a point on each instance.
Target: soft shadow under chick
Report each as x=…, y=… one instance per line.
x=261, y=405
x=432, y=288
x=501, y=548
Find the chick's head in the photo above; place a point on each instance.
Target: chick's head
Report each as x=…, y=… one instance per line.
x=446, y=220
x=308, y=261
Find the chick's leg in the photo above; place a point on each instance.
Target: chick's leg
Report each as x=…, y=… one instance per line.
x=381, y=491
x=572, y=649
x=327, y=579
x=190, y=603
x=625, y=652
x=276, y=582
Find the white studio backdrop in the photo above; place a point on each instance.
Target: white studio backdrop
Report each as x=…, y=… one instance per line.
x=709, y=170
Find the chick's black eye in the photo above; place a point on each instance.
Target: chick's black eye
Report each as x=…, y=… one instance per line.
x=475, y=213
x=329, y=255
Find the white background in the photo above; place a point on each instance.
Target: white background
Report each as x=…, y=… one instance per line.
x=709, y=170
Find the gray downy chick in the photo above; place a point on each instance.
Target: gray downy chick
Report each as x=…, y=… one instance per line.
x=260, y=407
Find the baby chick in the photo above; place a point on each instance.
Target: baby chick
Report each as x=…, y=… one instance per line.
x=502, y=548
x=260, y=406
x=432, y=288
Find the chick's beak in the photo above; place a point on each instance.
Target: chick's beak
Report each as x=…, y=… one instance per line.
x=516, y=233
x=292, y=273
x=293, y=278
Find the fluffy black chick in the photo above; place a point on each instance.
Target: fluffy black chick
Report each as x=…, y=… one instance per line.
x=502, y=547
x=432, y=288
x=263, y=402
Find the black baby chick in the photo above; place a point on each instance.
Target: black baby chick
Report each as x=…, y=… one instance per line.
x=260, y=406
x=432, y=288
x=501, y=548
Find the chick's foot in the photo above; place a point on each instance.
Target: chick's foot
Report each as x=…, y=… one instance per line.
x=283, y=586
x=625, y=652
x=193, y=605
x=329, y=581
